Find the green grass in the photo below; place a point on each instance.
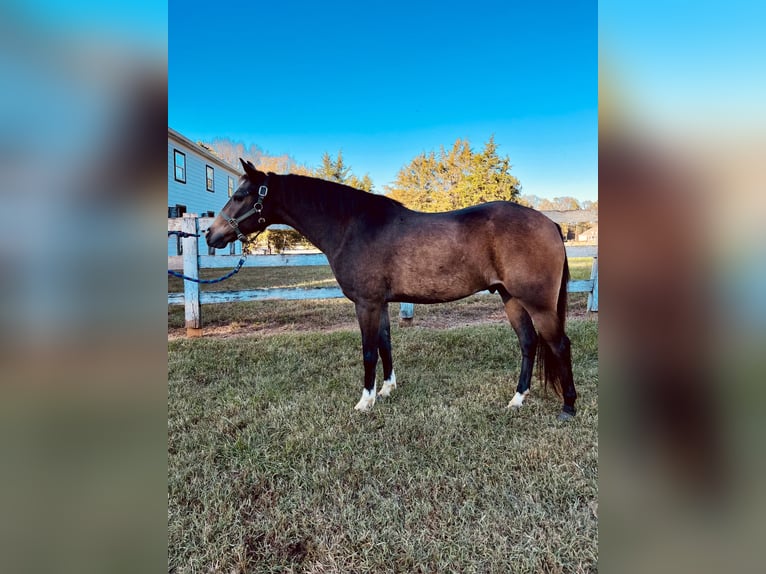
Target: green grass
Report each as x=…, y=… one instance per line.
x=271, y=470
x=261, y=278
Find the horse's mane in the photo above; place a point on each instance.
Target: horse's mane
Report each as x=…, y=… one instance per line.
x=337, y=198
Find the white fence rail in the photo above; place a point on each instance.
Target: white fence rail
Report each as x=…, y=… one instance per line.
x=191, y=262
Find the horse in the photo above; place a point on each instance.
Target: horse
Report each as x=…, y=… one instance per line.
x=381, y=252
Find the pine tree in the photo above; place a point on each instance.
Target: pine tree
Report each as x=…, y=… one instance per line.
x=333, y=170
x=338, y=172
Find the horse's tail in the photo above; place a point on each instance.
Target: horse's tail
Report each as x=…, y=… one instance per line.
x=561, y=304
x=549, y=366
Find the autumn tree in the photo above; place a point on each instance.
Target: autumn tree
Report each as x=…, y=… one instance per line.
x=455, y=178
x=231, y=151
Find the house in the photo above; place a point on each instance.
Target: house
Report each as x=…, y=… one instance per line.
x=198, y=182
x=590, y=235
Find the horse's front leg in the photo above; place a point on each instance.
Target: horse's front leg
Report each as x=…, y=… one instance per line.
x=368, y=315
x=384, y=347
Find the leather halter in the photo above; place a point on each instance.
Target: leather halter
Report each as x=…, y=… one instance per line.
x=257, y=208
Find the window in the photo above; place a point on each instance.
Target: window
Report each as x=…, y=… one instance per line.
x=210, y=178
x=231, y=186
x=179, y=159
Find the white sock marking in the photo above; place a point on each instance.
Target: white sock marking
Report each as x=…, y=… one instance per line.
x=367, y=401
x=388, y=386
x=517, y=400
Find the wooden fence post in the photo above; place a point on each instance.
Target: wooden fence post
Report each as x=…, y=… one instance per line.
x=190, y=224
x=406, y=313
x=593, y=295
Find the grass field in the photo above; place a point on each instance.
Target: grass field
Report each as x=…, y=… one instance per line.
x=271, y=470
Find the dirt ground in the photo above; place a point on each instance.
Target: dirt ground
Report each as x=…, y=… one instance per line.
x=443, y=316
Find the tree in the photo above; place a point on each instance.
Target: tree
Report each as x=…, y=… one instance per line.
x=338, y=172
x=230, y=152
x=365, y=184
x=490, y=177
x=330, y=170
x=564, y=203
x=455, y=178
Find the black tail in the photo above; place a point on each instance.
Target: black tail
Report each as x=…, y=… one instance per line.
x=549, y=369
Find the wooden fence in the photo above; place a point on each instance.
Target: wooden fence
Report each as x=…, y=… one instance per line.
x=191, y=262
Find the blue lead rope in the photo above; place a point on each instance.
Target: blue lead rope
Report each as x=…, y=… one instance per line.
x=229, y=274
x=219, y=279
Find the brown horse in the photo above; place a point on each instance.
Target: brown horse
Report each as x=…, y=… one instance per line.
x=380, y=251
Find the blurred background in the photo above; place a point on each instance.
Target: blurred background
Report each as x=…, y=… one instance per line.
x=683, y=267
x=82, y=288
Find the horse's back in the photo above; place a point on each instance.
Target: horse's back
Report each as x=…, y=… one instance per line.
x=508, y=225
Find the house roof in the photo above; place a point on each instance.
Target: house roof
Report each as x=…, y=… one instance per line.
x=174, y=135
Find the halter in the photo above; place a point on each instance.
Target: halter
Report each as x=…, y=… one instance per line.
x=257, y=208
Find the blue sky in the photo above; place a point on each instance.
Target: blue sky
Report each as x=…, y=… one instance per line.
x=385, y=81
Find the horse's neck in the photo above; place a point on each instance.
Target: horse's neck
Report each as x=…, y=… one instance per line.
x=322, y=228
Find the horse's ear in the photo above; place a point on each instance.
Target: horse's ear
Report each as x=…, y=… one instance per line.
x=248, y=167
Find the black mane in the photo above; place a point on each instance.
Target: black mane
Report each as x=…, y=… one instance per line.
x=338, y=198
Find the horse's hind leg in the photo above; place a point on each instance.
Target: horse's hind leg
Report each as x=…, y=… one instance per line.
x=557, y=358
x=384, y=349
x=525, y=331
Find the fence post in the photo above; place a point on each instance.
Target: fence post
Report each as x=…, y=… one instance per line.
x=190, y=224
x=593, y=295
x=406, y=313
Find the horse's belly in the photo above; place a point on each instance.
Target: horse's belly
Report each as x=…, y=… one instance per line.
x=439, y=285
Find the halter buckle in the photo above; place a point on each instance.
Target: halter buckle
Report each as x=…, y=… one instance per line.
x=263, y=191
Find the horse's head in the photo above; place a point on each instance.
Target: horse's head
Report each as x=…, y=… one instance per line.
x=250, y=209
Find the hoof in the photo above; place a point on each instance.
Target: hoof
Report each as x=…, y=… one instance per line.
x=366, y=402
x=388, y=386
x=518, y=400
x=385, y=391
x=565, y=416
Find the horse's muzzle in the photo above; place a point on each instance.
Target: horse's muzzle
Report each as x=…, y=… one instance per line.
x=216, y=239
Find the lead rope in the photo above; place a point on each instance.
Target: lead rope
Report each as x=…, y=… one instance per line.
x=234, y=271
